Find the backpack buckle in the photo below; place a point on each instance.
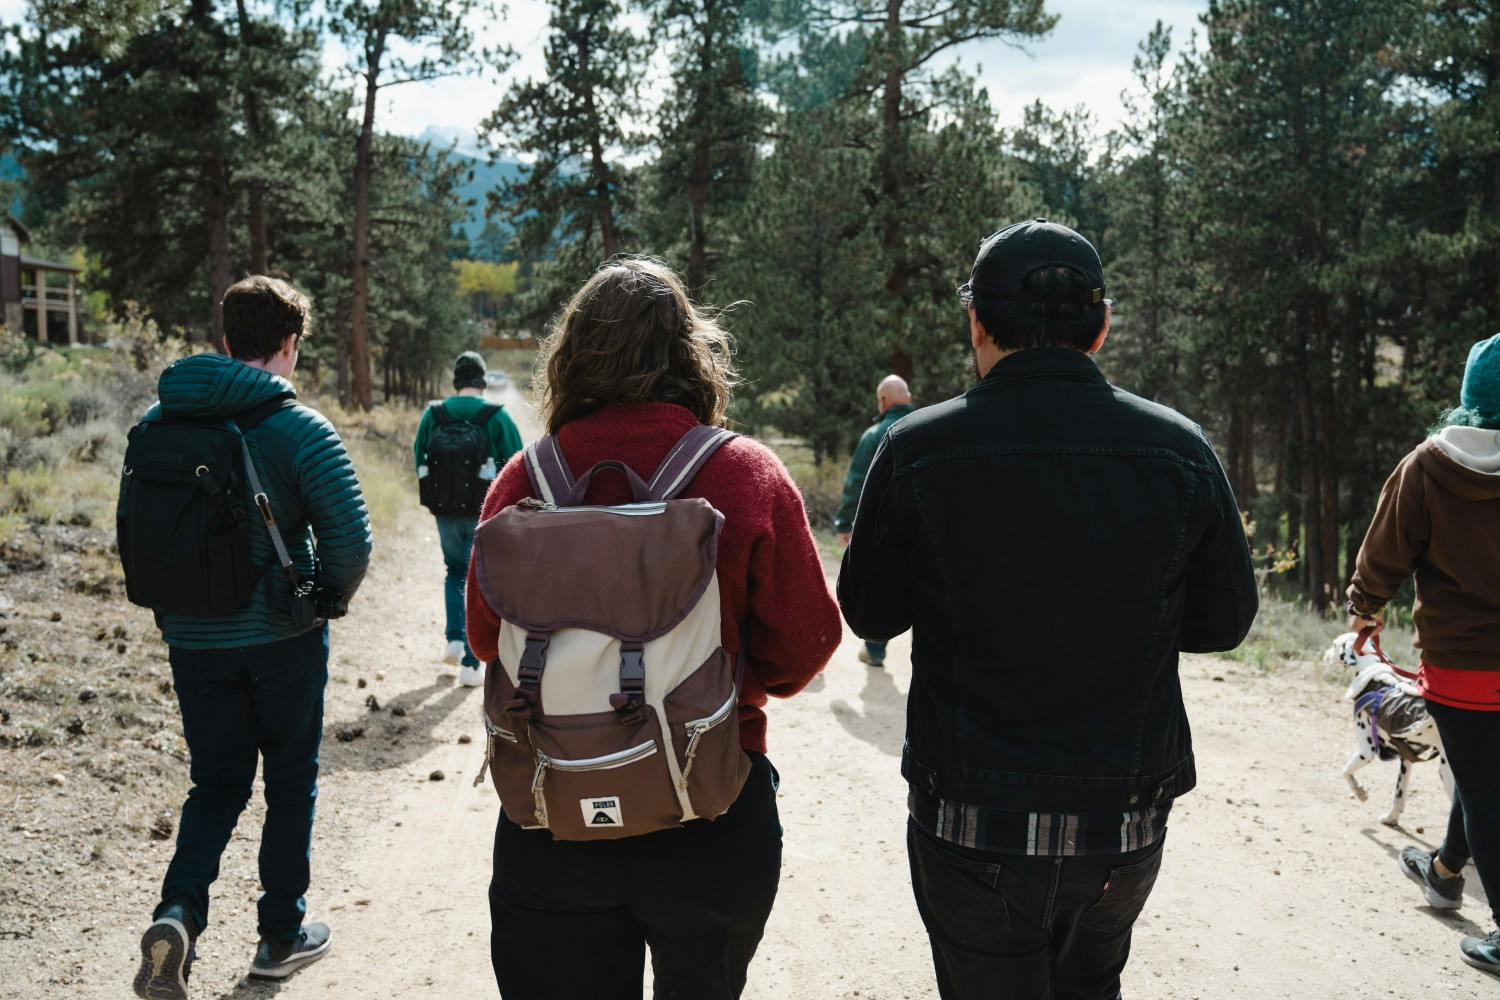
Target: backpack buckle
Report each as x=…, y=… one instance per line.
x=264, y=503
x=533, y=662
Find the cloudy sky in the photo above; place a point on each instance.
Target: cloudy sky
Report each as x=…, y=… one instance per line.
x=1086, y=60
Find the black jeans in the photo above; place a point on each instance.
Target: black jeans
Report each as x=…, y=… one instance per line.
x=571, y=920
x=1018, y=927
x=239, y=705
x=1471, y=742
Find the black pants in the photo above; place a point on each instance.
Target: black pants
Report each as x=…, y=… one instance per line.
x=572, y=920
x=1471, y=742
x=1028, y=928
x=1454, y=852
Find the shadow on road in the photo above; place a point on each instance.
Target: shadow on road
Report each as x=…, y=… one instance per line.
x=1472, y=889
x=883, y=722
x=399, y=731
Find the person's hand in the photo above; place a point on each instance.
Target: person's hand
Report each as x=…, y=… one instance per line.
x=1358, y=623
x=843, y=537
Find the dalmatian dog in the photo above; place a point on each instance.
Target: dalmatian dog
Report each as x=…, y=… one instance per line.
x=1390, y=718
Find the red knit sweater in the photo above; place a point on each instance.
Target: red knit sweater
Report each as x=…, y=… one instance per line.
x=773, y=596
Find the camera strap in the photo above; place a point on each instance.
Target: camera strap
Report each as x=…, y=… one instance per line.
x=263, y=504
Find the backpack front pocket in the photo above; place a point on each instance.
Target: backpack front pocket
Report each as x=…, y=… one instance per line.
x=703, y=718
x=598, y=778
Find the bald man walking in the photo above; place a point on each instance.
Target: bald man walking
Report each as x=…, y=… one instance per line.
x=892, y=401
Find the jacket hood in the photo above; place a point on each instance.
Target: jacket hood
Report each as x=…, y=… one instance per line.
x=216, y=387
x=1465, y=461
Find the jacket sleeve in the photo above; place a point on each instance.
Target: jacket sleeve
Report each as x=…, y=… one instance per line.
x=1222, y=597
x=875, y=580
x=505, y=440
x=793, y=625
x=1397, y=536
x=424, y=431
x=335, y=510
x=854, y=481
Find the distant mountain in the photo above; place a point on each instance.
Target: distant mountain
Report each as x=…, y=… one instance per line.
x=463, y=145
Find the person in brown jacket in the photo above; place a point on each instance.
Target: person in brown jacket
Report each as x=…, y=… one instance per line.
x=1439, y=519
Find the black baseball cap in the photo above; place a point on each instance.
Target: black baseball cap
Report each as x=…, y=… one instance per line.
x=1008, y=257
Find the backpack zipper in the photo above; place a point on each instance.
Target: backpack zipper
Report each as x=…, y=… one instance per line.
x=490, y=732
x=697, y=728
x=607, y=762
x=646, y=509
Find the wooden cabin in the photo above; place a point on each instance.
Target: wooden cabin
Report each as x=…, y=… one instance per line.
x=38, y=296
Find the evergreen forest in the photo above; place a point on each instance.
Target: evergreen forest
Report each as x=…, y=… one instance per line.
x=1299, y=216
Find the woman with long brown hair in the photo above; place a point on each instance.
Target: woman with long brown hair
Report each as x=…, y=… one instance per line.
x=632, y=366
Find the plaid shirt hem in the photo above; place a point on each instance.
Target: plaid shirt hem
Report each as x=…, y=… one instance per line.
x=999, y=831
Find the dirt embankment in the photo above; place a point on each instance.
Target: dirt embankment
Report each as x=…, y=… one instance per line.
x=1277, y=883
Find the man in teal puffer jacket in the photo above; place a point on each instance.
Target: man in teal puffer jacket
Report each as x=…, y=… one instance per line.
x=250, y=683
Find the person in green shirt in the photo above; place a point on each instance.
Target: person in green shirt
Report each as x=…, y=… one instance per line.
x=458, y=514
x=892, y=401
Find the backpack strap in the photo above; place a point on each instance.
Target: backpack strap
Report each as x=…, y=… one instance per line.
x=550, y=475
x=481, y=419
x=685, y=459
x=262, y=501
x=440, y=413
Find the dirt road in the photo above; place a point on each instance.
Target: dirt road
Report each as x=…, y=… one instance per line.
x=1276, y=883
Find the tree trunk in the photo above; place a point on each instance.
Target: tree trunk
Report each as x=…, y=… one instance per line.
x=260, y=249
x=361, y=391
x=698, y=177
x=215, y=182
x=603, y=195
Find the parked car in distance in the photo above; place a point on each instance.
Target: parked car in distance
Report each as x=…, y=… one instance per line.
x=496, y=379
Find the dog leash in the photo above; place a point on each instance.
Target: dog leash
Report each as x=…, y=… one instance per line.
x=1367, y=634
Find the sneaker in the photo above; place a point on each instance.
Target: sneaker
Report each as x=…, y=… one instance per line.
x=1442, y=893
x=1482, y=953
x=279, y=959
x=868, y=660
x=167, y=954
x=471, y=676
x=453, y=652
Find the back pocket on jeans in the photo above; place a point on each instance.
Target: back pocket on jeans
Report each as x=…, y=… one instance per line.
x=1124, y=894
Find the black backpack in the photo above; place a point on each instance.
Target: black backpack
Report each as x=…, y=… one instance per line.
x=183, y=526
x=456, y=451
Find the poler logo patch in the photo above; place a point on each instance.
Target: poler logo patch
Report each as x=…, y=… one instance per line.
x=601, y=812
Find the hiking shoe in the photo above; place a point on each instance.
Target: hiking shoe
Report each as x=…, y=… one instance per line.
x=279, y=959
x=453, y=652
x=1442, y=893
x=471, y=676
x=868, y=660
x=1482, y=953
x=167, y=955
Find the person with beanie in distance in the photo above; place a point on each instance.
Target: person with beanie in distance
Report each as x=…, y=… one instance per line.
x=461, y=442
x=1438, y=520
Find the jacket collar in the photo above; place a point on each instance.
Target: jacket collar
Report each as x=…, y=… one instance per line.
x=895, y=412
x=1043, y=362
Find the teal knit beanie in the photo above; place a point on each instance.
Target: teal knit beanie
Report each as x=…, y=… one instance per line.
x=1481, y=390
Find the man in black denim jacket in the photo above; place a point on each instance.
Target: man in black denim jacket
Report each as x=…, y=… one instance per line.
x=1053, y=542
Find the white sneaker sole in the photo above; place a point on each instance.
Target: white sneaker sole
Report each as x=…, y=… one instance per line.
x=164, y=950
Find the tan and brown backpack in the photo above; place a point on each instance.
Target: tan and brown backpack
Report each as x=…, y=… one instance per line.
x=611, y=709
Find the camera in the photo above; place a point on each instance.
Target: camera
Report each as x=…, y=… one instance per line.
x=302, y=607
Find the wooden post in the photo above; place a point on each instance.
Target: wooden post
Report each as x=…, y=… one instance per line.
x=41, y=306
x=72, y=310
